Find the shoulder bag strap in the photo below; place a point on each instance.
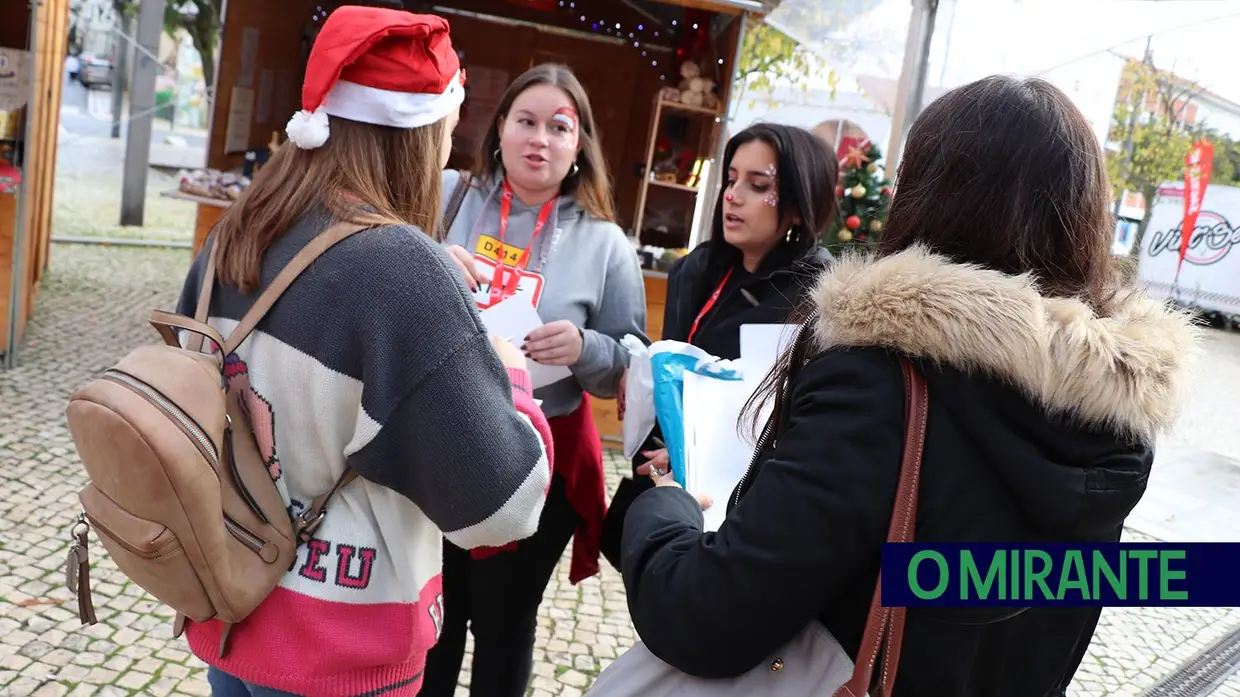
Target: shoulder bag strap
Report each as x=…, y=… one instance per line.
x=282, y=281
x=204, y=301
x=454, y=206
x=324, y=241
x=884, y=629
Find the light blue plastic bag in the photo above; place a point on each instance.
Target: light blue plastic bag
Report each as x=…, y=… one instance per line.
x=668, y=362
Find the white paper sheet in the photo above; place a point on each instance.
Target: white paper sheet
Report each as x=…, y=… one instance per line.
x=514, y=319
x=717, y=452
x=761, y=344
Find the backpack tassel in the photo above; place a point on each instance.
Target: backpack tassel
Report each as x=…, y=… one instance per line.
x=77, y=570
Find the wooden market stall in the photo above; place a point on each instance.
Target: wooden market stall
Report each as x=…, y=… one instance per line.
x=32, y=54
x=661, y=122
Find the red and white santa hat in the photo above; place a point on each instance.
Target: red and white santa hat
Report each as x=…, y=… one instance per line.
x=379, y=66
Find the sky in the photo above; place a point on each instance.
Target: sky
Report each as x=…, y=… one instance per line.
x=973, y=38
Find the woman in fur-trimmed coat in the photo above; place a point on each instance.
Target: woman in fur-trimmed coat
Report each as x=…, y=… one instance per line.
x=1047, y=384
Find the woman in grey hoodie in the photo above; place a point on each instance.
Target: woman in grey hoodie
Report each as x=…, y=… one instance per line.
x=536, y=222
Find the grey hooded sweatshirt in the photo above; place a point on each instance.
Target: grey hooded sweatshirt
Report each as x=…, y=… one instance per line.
x=592, y=279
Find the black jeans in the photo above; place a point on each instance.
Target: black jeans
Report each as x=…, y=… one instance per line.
x=498, y=598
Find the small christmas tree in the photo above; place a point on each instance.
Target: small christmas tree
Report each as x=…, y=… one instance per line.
x=864, y=194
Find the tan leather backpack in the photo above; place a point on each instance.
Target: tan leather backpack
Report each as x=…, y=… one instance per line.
x=178, y=494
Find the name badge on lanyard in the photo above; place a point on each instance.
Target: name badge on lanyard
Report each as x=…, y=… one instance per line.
x=507, y=281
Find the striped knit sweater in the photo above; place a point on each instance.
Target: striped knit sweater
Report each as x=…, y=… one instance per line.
x=375, y=359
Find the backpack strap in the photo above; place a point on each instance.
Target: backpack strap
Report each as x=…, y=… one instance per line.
x=305, y=524
x=204, y=302
x=454, y=206
x=300, y=262
x=285, y=278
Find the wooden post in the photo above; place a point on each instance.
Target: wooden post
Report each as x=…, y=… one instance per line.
x=141, y=112
x=912, y=83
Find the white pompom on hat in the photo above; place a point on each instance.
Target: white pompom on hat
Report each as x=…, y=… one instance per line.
x=378, y=66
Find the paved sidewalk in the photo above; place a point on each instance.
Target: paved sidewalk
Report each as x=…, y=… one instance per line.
x=91, y=310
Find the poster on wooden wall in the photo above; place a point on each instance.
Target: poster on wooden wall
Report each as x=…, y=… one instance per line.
x=14, y=79
x=240, y=116
x=249, y=57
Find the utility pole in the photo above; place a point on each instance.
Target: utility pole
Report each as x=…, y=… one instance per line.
x=1133, y=110
x=141, y=112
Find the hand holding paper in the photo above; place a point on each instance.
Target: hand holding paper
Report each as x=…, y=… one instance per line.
x=516, y=318
x=557, y=343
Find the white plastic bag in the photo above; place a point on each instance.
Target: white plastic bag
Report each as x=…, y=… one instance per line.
x=638, y=396
x=640, y=414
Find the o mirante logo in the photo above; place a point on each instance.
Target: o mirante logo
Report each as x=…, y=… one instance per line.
x=1028, y=575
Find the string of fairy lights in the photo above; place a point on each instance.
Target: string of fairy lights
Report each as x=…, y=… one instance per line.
x=636, y=33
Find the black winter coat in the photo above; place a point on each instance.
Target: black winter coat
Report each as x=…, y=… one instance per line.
x=1040, y=422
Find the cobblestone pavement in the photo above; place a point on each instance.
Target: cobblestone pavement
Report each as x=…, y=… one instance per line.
x=91, y=310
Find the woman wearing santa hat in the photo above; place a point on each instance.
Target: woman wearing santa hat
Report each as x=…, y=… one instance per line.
x=373, y=361
x=536, y=225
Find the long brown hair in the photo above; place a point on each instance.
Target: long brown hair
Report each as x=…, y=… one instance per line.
x=591, y=185
x=363, y=173
x=1007, y=174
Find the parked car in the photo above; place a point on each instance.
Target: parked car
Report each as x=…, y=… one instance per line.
x=95, y=70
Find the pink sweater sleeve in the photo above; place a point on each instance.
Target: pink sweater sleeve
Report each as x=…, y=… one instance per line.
x=523, y=400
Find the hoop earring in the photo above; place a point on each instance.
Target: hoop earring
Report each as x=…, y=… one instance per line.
x=497, y=157
x=574, y=170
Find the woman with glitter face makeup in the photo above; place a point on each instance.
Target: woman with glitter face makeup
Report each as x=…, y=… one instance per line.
x=778, y=197
x=536, y=225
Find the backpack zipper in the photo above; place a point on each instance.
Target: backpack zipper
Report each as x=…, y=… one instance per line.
x=153, y=396
x=101, y=528
x=245, y=537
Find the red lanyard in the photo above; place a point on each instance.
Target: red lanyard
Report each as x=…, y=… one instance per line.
x=504, y=287
x=710, y=302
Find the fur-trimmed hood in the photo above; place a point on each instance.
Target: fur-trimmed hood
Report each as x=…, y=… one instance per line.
x=1124, y=373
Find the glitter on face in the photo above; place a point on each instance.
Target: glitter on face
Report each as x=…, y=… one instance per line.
x=772, y=198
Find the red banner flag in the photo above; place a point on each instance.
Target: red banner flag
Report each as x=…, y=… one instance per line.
x=1197, y=167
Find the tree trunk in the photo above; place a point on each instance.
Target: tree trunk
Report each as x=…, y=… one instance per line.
x=203, y=31
x=1148, y=194
x=206, y=52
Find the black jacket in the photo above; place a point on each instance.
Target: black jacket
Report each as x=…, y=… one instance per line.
x=1039, y=427
x=767, y=296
